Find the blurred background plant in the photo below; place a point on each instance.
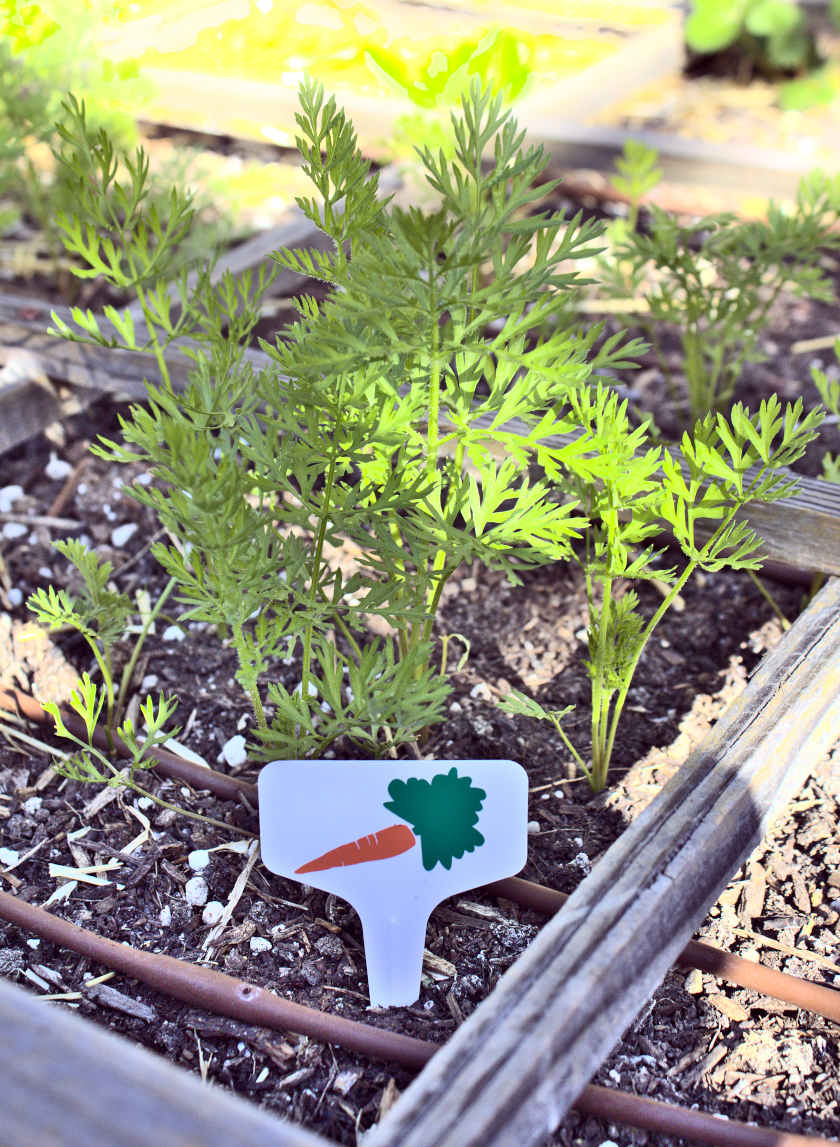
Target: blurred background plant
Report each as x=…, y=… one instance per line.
x=771, y=38
x=501, y=59
x=47, y=50
x=827, y=383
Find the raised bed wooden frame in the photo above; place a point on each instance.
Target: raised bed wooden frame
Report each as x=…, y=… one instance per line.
x=515, y=1066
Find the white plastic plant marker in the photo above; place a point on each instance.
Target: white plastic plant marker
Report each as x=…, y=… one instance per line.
x=394, y=839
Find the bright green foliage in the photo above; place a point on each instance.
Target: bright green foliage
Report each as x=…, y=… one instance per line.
x=103, y=617
x=442, y=812
x=714, y=282
x=500, y=59
x=773, y=33
x=382, y=424
x=723, y=465
x=829, y=389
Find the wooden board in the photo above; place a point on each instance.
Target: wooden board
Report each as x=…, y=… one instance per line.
x=66, y=1083
x=800, y=533
x=643, y=52
x=512, y=1070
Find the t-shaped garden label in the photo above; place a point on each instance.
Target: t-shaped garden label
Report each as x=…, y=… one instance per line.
x=394, y=839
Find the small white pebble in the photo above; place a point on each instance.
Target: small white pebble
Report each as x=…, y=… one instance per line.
x=144, y=802
x=13, y=530
x=482, y=691
x=148, y=682
x=9, y=856
x=533, y=827
x=45, y=572
x=15, y=596
x=582, y=862
x=608, y=1142
x=560, y=794
x=264, y=1074
x=173, y=633
x=198, y=859
x=165, y=916
x=108, y=512
x=121, y=534
x=213, y=912
x=311, y=689
x=456, y=707
x=8, y=496
x=34, y=942
x=57, y=468
x=259, y=944
x=196, y=891
x=143, y=479
x=32, y=804
x=233, y=751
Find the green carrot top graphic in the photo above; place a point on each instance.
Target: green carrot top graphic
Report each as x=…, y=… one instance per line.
x=442, y=812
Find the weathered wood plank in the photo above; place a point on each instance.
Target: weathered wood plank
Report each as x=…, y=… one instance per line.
x=67, y=1082
x=510, y=1073
x=803, y=532
x=242, y=106
x=24, y=322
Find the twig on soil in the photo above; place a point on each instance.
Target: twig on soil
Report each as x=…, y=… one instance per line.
x=71, y=482
x=41, y=520
x=802, y=953
x=232, y=900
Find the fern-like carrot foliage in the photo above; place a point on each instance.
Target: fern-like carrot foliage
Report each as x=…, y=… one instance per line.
x=442, y=812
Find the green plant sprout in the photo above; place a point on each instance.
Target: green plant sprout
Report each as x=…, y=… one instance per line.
x=346, y=435
x=102, y=616
x=438, y=329
x=90, y=765
x=713, y=282
x=829, y=389
x=725, y=464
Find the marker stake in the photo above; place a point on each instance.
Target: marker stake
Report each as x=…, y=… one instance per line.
x=394, y=839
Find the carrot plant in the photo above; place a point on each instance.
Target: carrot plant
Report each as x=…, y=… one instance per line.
x=712, y=282
x=829, y=389
x=383, y=421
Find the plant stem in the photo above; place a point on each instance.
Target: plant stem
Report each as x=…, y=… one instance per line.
x=315, y=572
x=768, y=597
x=128, y=671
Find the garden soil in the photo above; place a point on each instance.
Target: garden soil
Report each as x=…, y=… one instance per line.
x=698, y=1042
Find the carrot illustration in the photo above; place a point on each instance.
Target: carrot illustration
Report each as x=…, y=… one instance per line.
x=443, y=813
x=390, y=841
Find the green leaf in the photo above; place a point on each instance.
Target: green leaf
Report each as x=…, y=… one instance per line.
x=714, y=24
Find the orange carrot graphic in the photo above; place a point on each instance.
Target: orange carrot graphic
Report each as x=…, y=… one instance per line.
x=390, y=841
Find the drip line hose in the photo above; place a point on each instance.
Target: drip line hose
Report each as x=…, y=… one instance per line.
x=537, y=898
x=225, y=995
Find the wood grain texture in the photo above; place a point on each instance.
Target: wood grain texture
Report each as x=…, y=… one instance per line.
x=800, y=533
x=66, y=1082
x=242, y=106
x=510, y=1073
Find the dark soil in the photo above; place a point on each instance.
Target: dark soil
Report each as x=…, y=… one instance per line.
x=698, y=1042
